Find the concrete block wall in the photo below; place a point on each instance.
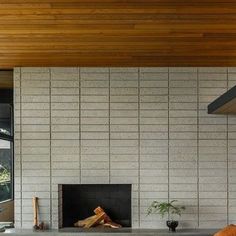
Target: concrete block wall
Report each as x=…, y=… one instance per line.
x=144, y=126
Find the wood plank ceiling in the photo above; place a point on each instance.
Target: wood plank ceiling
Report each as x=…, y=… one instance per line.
x=117, y=33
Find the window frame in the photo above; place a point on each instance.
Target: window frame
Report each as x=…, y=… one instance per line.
x=6, y=137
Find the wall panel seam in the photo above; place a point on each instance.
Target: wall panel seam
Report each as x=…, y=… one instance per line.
x=139, y=151
x=79, y=103
x=50, y=148
x=21, y=164
x=168, y=137
x=198, y=200
x=109, y=124
x=227, y=153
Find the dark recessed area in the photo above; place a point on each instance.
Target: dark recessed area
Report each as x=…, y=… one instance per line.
x=79, y=201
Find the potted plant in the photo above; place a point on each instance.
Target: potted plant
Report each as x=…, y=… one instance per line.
x=169, y=209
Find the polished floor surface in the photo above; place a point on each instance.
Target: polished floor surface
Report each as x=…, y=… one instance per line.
x=120, y=232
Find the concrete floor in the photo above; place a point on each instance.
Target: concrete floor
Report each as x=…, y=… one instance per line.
x=122, y=232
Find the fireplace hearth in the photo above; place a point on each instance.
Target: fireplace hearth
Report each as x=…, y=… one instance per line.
x=78, y=201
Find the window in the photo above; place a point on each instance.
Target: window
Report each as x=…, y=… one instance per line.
x=5, y=170
x=6, y=148
x=6, y=136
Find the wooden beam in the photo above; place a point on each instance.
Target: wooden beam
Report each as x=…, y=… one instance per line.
x=6, y=79
x=225, y=104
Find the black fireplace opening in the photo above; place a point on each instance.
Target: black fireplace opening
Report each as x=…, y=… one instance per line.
x=77, y=202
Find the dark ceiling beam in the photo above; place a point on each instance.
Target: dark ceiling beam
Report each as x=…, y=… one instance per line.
x=225, y=104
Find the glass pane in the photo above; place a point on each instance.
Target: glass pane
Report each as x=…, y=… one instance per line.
x=5, y=119
x=5, y=170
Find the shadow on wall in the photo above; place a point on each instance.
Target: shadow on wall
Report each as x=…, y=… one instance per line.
x=7, y=213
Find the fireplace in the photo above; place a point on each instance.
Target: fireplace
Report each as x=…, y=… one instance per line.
x=77, y=202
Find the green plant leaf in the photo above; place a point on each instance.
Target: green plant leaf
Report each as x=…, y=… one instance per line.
x=165, y=208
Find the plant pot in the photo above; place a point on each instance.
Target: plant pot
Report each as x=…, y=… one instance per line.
x=172, y=224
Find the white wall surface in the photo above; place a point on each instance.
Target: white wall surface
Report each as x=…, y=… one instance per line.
x=144, y=126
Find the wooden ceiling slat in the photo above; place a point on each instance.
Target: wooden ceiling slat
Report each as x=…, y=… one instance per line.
x=117, y=33
x=155, y=10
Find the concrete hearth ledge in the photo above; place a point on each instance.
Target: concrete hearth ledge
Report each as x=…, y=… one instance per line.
x=125, y=232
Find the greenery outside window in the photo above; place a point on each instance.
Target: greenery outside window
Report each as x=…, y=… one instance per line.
x=6, y=152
